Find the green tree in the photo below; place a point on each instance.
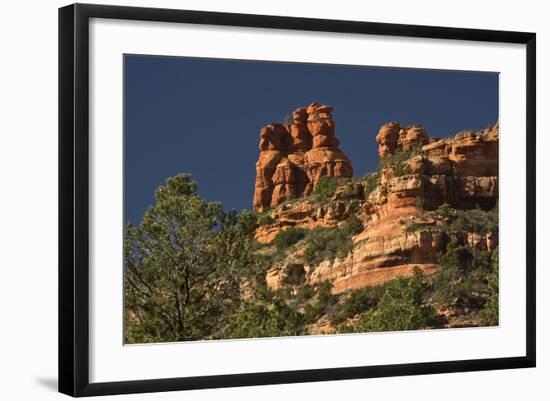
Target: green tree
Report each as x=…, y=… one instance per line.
x=402, y=307
x=323, y=303
x=455, y=264
x=489, y=314
x=359, y=301
x=476, y=221
x=265, y=314
x=183, y=264
x=462, y=277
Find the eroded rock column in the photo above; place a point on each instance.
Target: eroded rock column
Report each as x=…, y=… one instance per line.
x=294, y=156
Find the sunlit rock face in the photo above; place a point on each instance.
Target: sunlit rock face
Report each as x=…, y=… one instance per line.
x=461, y=171
x=294, y=156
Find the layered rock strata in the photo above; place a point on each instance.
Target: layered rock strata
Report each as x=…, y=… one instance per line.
x=461, y=171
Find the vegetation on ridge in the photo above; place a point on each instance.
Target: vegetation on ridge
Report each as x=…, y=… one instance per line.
x=398, y=161
x=194, y=271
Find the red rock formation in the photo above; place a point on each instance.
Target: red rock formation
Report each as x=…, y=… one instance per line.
x=412, y=136
x=461, y=171
x=387, y=139
x=272, y=151
x=324, y=158
x=294, y=156
x=392, y=137
x=284, y=182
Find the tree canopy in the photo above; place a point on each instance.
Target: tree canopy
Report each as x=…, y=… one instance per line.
x=183, y=264
x=194, y=271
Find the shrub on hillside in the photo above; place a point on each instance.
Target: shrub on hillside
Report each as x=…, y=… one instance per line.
x=353, y=225
x=264, y=218
x=414, y=226
x=357, y=302
x=371, y=183
x=443, y=210
x=322, y=305
x=325, y=188
x=326, y=243
x=289, y=237
x=462, y=277
x=398, y=161
x=253, y=319
x=476, y=220
x=489, y=313
x=402, y=307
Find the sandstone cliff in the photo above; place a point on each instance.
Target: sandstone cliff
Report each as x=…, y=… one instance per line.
x=294, y=156
x=399, y=207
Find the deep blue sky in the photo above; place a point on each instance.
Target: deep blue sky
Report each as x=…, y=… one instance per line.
x=203, y=116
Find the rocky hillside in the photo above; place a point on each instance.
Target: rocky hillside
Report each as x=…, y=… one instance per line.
x=413, y=245
x=320, y=224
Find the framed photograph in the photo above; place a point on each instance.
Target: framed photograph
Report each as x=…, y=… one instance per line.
x=250, y=199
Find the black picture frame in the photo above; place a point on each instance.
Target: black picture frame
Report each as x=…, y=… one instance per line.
x=74, y=199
